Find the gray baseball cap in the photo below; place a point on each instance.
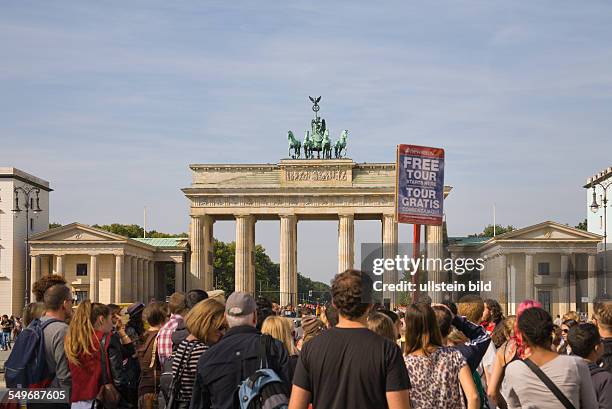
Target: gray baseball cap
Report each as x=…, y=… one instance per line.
x=240, y=303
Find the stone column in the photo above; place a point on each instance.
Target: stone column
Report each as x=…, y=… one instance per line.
x=197, y=250
x=346, y=242
x=390, y=248
x=294, y=276
x=145, y=283
x=529, y=283
x=128, y=280
x=434, y=237
x=251, y=276
x=202, y=251
x=134, y=271
x=59, y=264
x=117, y=280
x=178, y=276
x=34, y=273
x=592, y=282
x=94, y=293
x=208, y=252
x=509, y=293
x=288, y=225
x=141, y=278
x=565, y=288
x=244, y=253
x=151, y=278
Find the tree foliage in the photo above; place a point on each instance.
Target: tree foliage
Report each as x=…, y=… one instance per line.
x=488, y=230
x=582, y=225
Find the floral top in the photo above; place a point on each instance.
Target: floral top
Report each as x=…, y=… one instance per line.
x=435, y=379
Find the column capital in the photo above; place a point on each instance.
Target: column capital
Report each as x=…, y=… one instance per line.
x=346, y=215
x=287, y=215
x=388, y=216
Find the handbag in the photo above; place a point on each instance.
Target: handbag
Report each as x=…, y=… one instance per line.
x=175, y=387
x=108, y=396
x=549, y=384
x=150, y=400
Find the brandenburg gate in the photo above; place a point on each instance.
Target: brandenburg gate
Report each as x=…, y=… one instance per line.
x=290, y=191
x=312, y=188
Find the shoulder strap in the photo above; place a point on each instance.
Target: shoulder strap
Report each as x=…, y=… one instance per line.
x=103, y=365
x=549, y=384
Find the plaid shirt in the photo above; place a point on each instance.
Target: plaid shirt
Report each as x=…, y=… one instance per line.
x=164, y=337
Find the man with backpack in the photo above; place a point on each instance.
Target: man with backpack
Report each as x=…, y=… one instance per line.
x=44, y=336
x=236, y=358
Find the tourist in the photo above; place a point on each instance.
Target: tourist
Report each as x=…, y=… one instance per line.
x=332, y=372
x=44, y=283
x=558, y=321
x=264, y=310
x=570, y=375
x=492, y=315
x=312, y=327
x=331, y=316
x=18, y=327
x=586, y=343
x=438, y=373
x=58, y=310
x=503, y=331
x=5, y=333
x=155, y=314
x=382, y=325
x=564, y=347
x=513, y=349
x=178, y=308
x=135, y=326
x=206, y=325
x=32, y=311
x=192, y=298
x=603, y=320
x=86, y=346
x=124, y=366
x=394, y=318
x=218, y=376
x=280, y=328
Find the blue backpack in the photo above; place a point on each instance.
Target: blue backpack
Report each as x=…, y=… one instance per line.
x=264, y=389
x=27, y=366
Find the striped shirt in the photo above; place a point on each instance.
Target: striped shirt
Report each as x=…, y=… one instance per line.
x=188, y=363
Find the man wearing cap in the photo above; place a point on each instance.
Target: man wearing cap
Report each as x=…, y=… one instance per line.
x=234, y=358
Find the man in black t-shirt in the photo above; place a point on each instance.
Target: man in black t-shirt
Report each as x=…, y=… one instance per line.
x=349, y=366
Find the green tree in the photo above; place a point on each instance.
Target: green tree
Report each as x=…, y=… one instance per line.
x=54, y=225
x=582, y=225
x=134, y=231
x=488, y=230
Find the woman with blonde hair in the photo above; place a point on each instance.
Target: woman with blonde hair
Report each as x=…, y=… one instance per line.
x=206, y=325
x=86, y=347
x=280, y=328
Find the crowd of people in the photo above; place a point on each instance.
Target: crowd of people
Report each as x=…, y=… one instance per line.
x=199, y=351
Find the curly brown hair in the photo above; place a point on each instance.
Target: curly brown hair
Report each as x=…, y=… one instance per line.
x=44, y=283
x=349, y=293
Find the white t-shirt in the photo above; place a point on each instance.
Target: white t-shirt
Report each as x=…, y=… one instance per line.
x=570, y=374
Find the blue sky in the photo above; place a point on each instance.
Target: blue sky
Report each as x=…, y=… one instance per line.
x=110, y=101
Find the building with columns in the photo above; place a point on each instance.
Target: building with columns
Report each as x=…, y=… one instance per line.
x=14, y=226
x=550, y=262
x=107, y=267
x=338, y=190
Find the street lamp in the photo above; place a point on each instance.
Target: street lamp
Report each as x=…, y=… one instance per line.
x=595, y=208
x=29, y=193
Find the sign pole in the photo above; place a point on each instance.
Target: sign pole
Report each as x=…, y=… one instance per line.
x=416, y=247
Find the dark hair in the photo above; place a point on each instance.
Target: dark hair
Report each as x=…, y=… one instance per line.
x=444, y=319
x=44, y=283
x=536, y=326
x=583, y=338
x=114, y=309
x=422, y=330
x=155, y=313
x=195, y=296
x=264, y=310
x=349, y=289
x=496, y=311
x=570, y=323
x=55, y=296
x=331, y=313
x=451, y=305
x=394, y=317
